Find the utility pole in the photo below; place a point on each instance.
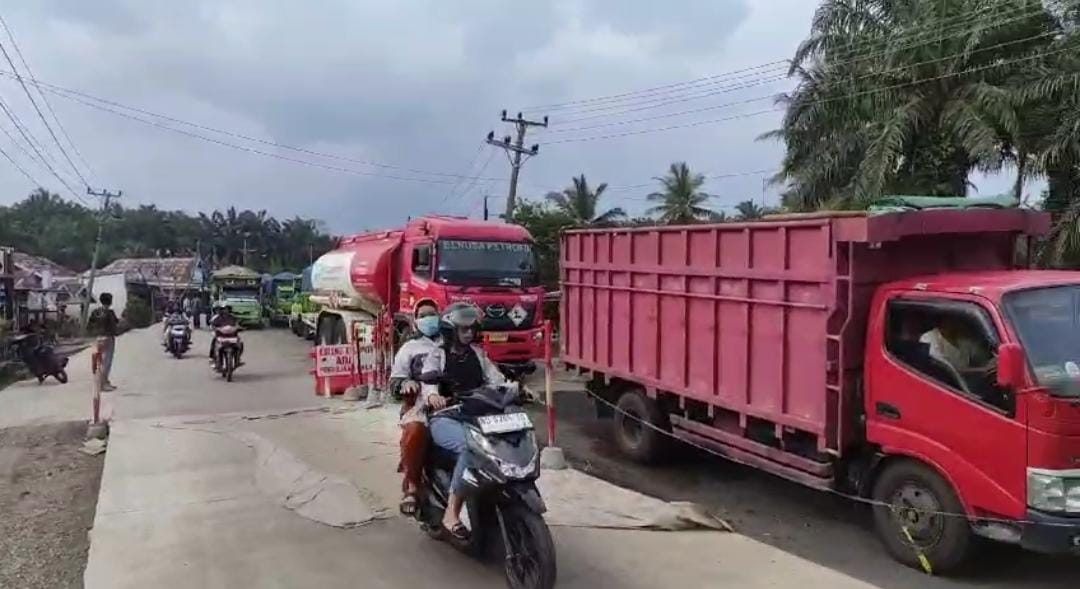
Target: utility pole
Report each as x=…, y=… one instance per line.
x=485, y=207
x=107, y=197
x=517, y=149
x=244, y=252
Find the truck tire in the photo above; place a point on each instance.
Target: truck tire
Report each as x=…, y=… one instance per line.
x=633, y=434
x=945, y=541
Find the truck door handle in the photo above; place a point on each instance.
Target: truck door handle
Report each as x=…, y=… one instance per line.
x=887, y=411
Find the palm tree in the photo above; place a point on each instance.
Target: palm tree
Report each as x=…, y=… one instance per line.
x=681, y=201
x=897, y=115
x=748, y=210
x=579, y=203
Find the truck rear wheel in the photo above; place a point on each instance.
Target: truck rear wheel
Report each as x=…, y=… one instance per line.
x=913, y=496
x=636, y=421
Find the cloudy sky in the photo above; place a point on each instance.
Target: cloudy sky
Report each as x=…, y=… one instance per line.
x=411, y=85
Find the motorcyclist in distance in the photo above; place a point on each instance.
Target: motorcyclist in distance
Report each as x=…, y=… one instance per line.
x=463, y=367
x=223, y=317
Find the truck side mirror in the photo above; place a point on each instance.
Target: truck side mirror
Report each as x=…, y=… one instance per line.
x=1010, y=365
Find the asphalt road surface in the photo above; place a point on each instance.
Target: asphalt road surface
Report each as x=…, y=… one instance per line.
x=181, y=504
x=822, y=528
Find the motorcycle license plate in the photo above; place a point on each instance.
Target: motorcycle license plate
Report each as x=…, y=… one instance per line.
x=497, y=337
x=501, y=424
x=179, y=331
x=227, y=340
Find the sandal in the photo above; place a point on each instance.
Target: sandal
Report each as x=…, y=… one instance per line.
x=408, y=505
x=459, y=532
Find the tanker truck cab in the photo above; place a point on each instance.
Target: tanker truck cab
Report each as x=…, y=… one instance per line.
x=972, y=400
x=491, y=265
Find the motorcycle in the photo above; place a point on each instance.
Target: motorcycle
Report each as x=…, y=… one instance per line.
x=40, y=357
x=178, y=340
x=502, y=504
x=227, y=351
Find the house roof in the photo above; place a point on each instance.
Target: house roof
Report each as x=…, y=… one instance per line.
x=39, y=264
x=175, y=271
x=30, y=271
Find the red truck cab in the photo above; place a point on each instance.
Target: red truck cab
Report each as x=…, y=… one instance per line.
x=1005, y=434
x=491, y=265
x=380, y=277
x=909, y=359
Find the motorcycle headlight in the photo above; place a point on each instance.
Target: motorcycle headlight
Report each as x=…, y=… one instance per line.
x=480, y=441
x=1053, y=491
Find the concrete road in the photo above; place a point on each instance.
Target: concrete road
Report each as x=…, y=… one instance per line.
x=825, y=529
x=182, y=505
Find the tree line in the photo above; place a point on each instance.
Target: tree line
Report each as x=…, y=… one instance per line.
x=911, y=97
x=679, y=200
x=45, y=224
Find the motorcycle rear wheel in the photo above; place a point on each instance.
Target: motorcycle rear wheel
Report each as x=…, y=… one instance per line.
x=533, y=563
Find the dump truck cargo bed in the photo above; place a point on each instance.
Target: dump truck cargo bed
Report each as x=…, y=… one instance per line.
x=755, y=330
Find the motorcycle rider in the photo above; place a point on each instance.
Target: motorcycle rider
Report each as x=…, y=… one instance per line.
x=463, y=366
x=175, y=317
x=223, y=317
x=413, y=422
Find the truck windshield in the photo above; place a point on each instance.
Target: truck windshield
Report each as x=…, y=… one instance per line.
x=1048, y=323
x=241, y=293
x=482, y=263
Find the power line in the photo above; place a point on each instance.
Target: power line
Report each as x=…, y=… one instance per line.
x=48, y=105
x=251, y=150
x=924, y=36
x=41, y=115
x=775, y=96
x=468, y=170
x=653, y=103
x=89, y=100
x=822, y=101
x=25, y=135
x=20, y=168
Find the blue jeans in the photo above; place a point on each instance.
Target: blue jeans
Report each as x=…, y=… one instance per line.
x=450, y=434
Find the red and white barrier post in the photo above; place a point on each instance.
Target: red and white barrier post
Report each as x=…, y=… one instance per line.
x=97, y=428
x=551, y=457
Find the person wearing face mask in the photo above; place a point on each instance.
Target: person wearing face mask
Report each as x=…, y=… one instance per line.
x=414, y=434
x=463, y=366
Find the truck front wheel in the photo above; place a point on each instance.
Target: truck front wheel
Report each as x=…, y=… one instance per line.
x=637, y=421
x=912, y=500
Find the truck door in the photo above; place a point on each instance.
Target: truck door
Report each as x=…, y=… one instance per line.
x=414, y=283
x=932, y=395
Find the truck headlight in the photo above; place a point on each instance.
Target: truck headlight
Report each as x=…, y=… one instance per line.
x=1050, y=490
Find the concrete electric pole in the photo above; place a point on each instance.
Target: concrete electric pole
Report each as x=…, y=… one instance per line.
x=514, y=150
x=106, y=196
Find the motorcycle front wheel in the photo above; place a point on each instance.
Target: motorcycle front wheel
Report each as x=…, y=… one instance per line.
x=228, y=365
x=530, y=562
x=61, y=376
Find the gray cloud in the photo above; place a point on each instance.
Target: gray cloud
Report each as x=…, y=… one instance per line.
x=416, y=83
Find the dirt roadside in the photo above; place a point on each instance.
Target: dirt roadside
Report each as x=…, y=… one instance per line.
x=48, y=493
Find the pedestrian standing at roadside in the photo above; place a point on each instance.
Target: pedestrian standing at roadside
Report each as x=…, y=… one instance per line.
x=108, y=326
x=196, y=311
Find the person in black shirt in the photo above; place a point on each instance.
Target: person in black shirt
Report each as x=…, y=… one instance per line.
x=108, y=327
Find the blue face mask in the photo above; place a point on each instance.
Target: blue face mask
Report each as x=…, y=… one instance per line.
x=429, y=325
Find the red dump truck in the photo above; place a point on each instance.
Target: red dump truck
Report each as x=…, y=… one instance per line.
x=441, y=260
x=909, y=358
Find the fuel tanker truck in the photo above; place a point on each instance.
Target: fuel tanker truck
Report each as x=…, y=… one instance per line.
x=380, y=277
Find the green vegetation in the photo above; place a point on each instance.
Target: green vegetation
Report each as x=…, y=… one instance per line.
x=46, y=225
x=911, y=97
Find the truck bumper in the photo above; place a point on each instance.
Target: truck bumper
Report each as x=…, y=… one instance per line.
x=1051, y=534
x=514, y=351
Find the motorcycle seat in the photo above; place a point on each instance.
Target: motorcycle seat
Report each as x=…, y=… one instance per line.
x=440, y=457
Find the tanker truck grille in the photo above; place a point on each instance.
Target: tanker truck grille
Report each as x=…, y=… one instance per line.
x=504, y=317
